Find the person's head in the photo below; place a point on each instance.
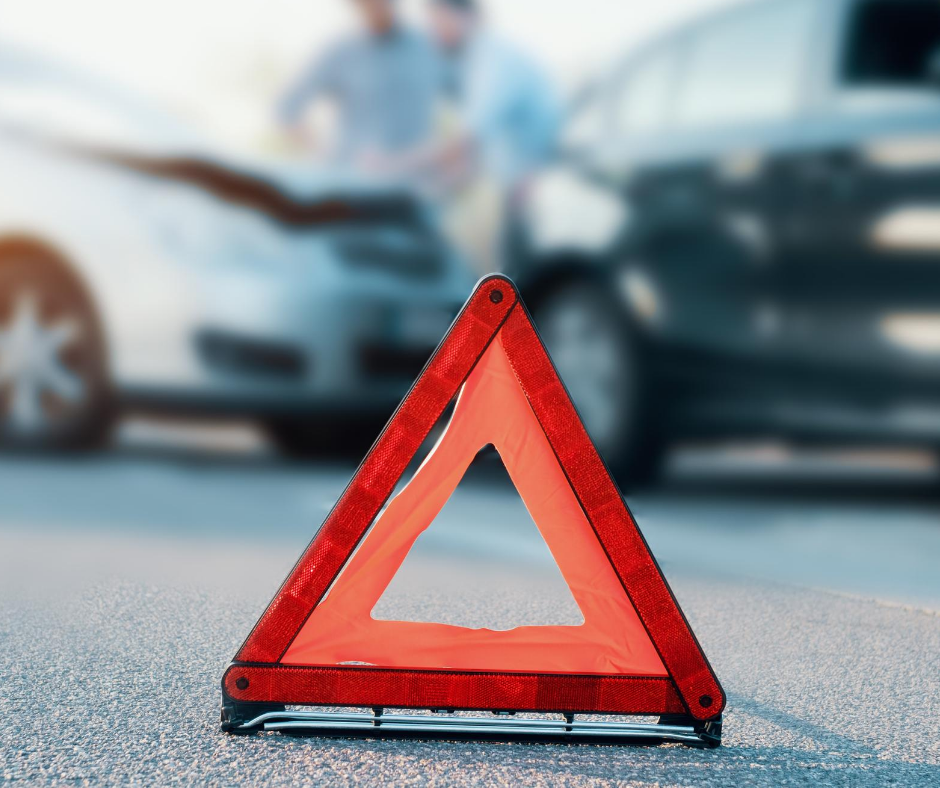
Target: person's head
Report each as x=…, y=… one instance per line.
x=379, y=15
x=453, y=21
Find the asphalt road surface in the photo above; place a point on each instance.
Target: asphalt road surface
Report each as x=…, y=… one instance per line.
x=127, y=581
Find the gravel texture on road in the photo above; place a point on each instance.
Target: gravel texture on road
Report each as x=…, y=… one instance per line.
x=112, y=647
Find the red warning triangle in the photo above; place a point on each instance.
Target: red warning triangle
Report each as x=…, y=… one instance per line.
x=318, y=644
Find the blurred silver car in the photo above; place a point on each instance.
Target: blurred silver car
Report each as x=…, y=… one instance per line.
x=138, y=271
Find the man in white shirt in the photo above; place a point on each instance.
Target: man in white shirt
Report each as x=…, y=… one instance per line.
x=507, y=116
x=508, y=108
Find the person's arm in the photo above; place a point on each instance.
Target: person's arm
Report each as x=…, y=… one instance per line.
x=482, y=106
x=440, y=168
x=317, y=79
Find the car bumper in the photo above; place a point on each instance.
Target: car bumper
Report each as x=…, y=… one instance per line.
x=272, y=345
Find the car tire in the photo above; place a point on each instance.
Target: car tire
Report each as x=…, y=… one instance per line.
x=55, y=393
x=603, y=365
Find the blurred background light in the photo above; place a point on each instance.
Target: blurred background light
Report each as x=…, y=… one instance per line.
x=912, y=227
x=914, y=333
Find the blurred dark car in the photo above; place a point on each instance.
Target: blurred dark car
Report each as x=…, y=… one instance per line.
x=743, y=237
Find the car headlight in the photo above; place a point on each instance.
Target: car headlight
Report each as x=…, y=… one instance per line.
x=565, y=211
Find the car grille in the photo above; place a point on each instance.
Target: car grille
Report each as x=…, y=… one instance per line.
x=225, y=352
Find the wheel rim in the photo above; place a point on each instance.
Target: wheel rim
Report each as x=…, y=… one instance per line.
x=40, y=387
x=587, y=344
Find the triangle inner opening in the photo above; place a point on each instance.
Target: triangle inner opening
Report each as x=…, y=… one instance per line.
x=482, y=564
x=491, y=408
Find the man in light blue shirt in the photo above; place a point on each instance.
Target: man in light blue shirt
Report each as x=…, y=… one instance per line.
x=385, y=83
x=509, y=111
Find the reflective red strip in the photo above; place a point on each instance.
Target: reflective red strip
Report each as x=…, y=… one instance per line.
x=448, y=690
x=612, y=522
x=379, y=473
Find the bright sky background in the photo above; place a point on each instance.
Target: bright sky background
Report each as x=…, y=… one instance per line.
x=220, y=63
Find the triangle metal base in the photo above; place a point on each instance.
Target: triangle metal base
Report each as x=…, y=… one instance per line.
x=442, y=724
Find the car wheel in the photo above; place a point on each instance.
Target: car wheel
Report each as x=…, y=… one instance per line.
x=54, y=392
x=602, y=365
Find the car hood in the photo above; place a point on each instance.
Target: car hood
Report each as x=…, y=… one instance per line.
x=57, y=106
x=293, y=194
